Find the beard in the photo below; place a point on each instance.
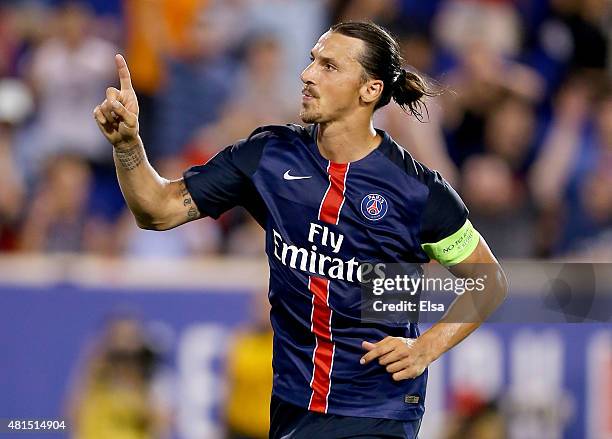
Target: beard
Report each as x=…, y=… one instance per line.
x=310, y=115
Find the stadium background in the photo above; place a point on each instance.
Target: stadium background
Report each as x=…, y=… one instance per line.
x=524, y=134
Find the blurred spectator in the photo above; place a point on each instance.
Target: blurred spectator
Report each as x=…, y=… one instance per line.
x=510, y=132
x=69, y=73
x=12, y=194
x=56, y=220
x=494, y=185
x=482, y=81
x=570, y=37
x=493, y=25
x=15, y=105
x=297, y=24
x=418, y=50
x=199, y=83
x=118, y=393
x=571, y=178
x=23, y=25
x=147, y=51
x=498, y=205
x=477, y=419
x=249, y=375
x=549, y=175
x=255, y=99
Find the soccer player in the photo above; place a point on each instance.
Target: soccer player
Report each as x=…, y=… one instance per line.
x=331, y=197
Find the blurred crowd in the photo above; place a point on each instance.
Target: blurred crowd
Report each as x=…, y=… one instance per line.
x=523, y=130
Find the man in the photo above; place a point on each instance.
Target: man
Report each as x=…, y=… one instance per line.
x=331, y=198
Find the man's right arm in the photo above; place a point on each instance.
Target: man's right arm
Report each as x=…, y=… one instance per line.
x=157, y=203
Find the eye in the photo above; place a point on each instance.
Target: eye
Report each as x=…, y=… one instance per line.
x=329, y=66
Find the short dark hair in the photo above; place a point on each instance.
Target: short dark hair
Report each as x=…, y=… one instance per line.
x=382, y=60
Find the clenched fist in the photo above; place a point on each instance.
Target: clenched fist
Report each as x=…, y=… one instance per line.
x=117, y=116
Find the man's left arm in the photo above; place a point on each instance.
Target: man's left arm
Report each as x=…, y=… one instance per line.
x=407, y=358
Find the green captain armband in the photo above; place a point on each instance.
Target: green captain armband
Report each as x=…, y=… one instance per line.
x=454, y=248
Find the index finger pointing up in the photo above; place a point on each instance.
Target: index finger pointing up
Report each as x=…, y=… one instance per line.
x=124, y=73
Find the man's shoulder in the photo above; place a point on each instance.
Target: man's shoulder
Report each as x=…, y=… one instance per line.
x=248, y=152
x=287, y=132
x=401, y=157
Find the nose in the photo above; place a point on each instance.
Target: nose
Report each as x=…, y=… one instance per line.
x=307, y=76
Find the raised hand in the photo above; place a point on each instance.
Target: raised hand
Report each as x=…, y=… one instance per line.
x=117, y=116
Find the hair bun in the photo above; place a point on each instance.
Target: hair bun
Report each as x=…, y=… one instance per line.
x=399, y=82
x=408, y=91
x=401, y=77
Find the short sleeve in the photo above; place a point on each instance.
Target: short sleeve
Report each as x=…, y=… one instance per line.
x=446, y=233
x=225, y=180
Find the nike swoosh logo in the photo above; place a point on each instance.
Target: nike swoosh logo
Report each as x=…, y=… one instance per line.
x=288, y=176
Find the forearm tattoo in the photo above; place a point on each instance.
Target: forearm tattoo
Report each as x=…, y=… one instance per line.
x=131, y=157
x=192, y=210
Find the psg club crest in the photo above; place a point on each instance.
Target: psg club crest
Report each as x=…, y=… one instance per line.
x=374, y=206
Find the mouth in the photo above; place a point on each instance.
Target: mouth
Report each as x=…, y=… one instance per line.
x=307, y=95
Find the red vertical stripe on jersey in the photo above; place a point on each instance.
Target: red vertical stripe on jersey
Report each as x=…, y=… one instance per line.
x=333, y=199
x=323, y=355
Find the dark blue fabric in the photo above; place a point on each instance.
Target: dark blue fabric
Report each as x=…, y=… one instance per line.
x=288, y=421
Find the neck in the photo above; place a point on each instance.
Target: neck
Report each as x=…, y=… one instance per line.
x=345, y=141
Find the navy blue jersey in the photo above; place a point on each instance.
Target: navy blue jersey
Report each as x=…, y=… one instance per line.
x=322, y=220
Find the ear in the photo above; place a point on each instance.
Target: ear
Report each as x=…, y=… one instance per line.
x=371, y=90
